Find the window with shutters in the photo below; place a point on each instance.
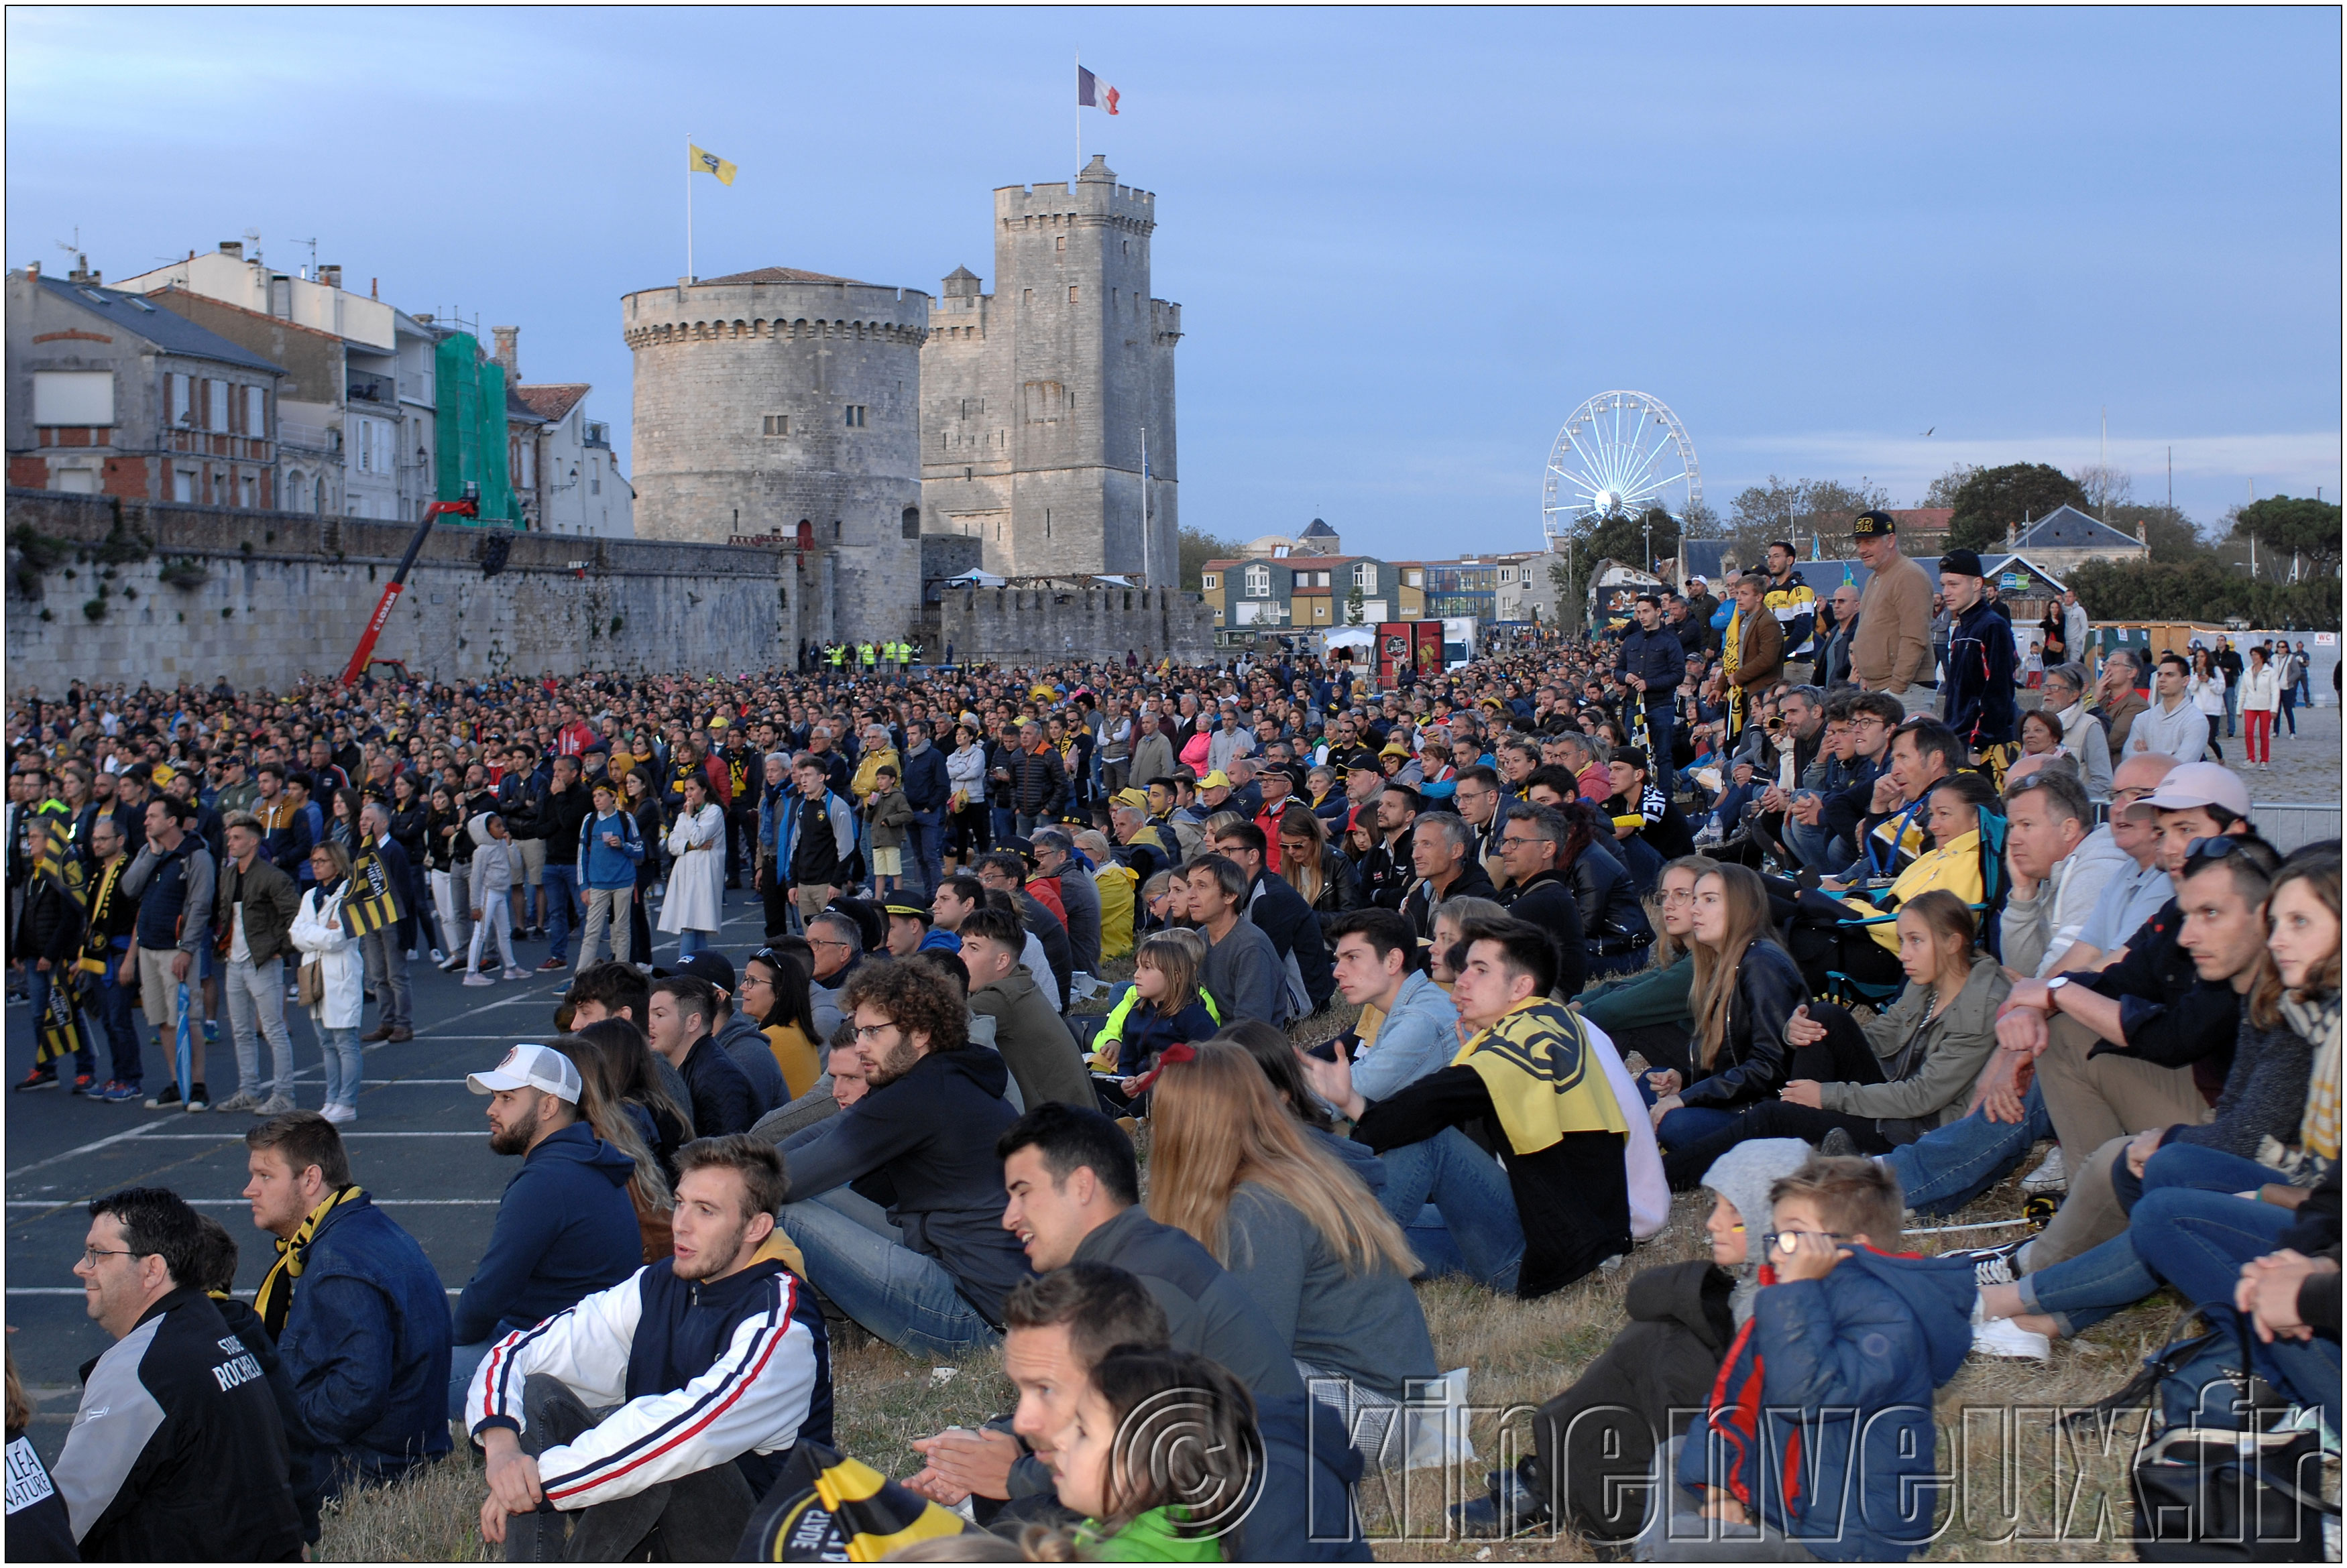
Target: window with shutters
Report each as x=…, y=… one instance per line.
x=216, y=405
x=1258, y=582
x=778, y=425
x=73, y=397
x=182, y=400
x=256, y=410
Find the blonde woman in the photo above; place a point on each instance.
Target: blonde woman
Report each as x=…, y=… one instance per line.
x=319, y=935
x=1650, y=1012
x=1743, y=989
x=1313, y=1249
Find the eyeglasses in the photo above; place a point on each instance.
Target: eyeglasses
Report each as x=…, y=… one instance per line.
x=825, y=942
x=1789, y=1242
x=871, y=1030
x=1678, y=895
x=91, y=1255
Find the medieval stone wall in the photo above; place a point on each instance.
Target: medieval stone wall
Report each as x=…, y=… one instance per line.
x=1039, y=627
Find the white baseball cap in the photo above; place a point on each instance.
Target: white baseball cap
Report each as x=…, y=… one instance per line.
x=527, y=1066
x=2194, y=785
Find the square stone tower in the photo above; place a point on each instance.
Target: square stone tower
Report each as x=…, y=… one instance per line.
x=1035, y=398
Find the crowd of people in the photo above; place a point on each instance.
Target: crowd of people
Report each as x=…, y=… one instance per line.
x=1768, y=896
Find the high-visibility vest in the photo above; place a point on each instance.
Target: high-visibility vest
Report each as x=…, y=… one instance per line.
x=868, y=655
x=838, y=655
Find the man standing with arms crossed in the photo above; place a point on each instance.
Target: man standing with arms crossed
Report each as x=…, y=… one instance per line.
x=1892, y=649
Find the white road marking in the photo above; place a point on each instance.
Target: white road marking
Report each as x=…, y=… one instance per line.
x=85, y=1149
x=241, y=1203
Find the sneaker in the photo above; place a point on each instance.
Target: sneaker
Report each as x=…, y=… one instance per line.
x=1993, y=1265
x=2007, y=1341
x=275, y=1106
x=197, y=1098
x=1837, y=1144
x=338, y=1114
x=212, y=1032
x=120, y=1093
x=2050, y=1174
x=1709, y=838
x=439, y=958
x=1508, y=1508
x=475, y=977
x=452, y=964
x=84, y=1082
x=38, y=1078
x=517, y=972
x=169, y=1100
x=240, y=1101
x=553, y=963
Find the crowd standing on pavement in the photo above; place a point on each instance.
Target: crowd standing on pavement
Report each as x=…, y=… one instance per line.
x=1778, y=897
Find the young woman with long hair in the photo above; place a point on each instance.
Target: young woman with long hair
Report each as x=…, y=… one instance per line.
x=322, y=940
x=774, y=996
x=1742, y=989
x=2206, y=687
x=1314, y=1249
x=602, y=1109
x=443, y=825
x=1275, y=1053
x=1649, y=1011
x=1320, y=873
x=1867, y=1088
x=661, y=1121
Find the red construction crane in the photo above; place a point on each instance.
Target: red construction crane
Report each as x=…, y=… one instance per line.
x=466, y=505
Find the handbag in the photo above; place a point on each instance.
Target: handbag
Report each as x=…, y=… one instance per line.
x=2244, y=1487
x=310, y=983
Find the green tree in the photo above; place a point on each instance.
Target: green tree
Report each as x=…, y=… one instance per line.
x=2284, y=526
x=1994, y=500
x=1943, y=489
x=1354, y=611
x=1800, y=511
x=2173, y=538
x=2202, y=590
x=1198, y=548
x=1618, y=537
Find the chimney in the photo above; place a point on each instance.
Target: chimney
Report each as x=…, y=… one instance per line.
x=232, y=248
x=330, y=275
x=508, y=353
x=32, y=269
x=82, y=274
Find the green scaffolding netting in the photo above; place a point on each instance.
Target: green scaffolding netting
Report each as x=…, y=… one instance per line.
x=471, y=434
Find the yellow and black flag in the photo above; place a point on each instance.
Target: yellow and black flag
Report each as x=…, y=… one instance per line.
x=375, y=900
x=709, y=163
x=53, y=861
x=827, y=1509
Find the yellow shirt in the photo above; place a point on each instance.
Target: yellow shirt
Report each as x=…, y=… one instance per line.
x=1954, y=868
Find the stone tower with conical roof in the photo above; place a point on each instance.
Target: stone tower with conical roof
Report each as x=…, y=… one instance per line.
x=1037, y=399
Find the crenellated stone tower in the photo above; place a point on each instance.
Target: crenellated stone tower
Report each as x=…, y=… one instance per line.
x=778, y=402
x=1035, y=398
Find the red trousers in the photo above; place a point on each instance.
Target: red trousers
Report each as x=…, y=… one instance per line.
x=2260, y=733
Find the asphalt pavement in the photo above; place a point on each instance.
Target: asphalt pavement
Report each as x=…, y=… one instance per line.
x=420, y=1149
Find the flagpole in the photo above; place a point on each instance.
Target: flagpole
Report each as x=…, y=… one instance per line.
x=688, y=208
x=1080, y=120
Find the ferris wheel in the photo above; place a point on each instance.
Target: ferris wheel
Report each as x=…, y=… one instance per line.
x=1621, y=452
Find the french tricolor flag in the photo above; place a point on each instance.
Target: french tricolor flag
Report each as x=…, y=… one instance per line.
x=1092, y=93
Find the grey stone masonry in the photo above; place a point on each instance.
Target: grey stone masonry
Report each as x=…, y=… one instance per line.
x=265, y=596
x=1035, y=397
x=776, y=398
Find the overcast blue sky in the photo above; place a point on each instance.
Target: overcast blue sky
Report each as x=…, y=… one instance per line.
x=1407, y=243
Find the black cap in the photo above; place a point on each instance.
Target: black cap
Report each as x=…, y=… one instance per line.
x=1868, y=524
x=707, y=964
x=1630, y=757
x=1963, y=563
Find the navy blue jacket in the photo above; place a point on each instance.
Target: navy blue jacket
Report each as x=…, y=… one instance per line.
x=1654, y=657
x=1978, y=689
x=1280, y=912
x=722, y=1100
x=366, y=1343
x=926, y=789
x=566, y=1228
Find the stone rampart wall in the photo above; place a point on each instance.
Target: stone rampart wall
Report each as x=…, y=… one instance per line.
x=1044, y=627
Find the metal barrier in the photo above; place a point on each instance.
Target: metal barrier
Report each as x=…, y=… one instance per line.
x=2288, y=825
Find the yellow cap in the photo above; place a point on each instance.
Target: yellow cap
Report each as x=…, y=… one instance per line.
x=1217, y=779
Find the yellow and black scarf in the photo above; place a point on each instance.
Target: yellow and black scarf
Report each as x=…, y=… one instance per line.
x=275, y=1297
x=1535, y=1064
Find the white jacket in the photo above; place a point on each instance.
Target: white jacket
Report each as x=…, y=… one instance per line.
x=753, y=1399
x=966, y=771
x=2261, y=690
x=2209, y=693
x=1650, y=1190
x=318, y=933
x=696, y=881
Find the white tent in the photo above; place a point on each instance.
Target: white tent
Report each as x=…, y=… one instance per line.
x=976, y=578
x=1336, y=637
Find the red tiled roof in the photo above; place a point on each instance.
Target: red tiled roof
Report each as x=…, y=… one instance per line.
x=1925, y=519
x=551, y=400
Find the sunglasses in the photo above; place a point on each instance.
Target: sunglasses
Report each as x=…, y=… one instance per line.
x=2218, y=849
x=1789, y=1242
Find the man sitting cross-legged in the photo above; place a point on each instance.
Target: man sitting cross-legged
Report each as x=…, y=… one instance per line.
x=1531, y=1075
x=715, y=1358
x=928, y=1273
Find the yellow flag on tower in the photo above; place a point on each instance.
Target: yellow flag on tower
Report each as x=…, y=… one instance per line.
x=710, y=163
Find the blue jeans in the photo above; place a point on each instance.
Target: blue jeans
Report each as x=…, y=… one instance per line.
x=562, y=899
x=122, y=1025
x=928, y=848
x=2233, y=704
x=858, y=1260
x=1690, y=1124
x=1817, y=847
x=344, y=1064
x=1948, y=1167
x=1004, y=823
x=1468, y=1185
x=690, y=941
x=1658, y=738
x=2197, y=1241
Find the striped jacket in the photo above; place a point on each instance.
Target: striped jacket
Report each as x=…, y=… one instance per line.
x=735, y=1369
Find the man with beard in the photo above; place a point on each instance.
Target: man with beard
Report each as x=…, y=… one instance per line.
x=565, y=1227
x=715, y=1358
x=928, y=1273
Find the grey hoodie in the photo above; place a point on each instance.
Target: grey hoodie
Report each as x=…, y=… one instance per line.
x=1743, y=1175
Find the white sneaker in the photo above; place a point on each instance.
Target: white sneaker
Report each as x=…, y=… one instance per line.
x=2050, y=1174
x=337, y=1113
x=2007, y=1341
x=475, y=977
x=275, y=1106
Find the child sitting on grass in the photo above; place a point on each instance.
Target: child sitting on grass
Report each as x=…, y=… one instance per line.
x=1158, y=1444
x=1164, y=1007
x=1820, y=1441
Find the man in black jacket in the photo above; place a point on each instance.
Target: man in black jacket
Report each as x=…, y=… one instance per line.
x=176, y=1453
x=1442, y=852
x=926, y=791
x=1386, y=870
x=679, y=1017
x=928, y=1273
x=1649, y=662
x=1280, y=912
x=215, y=1271
x=1531, y=839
